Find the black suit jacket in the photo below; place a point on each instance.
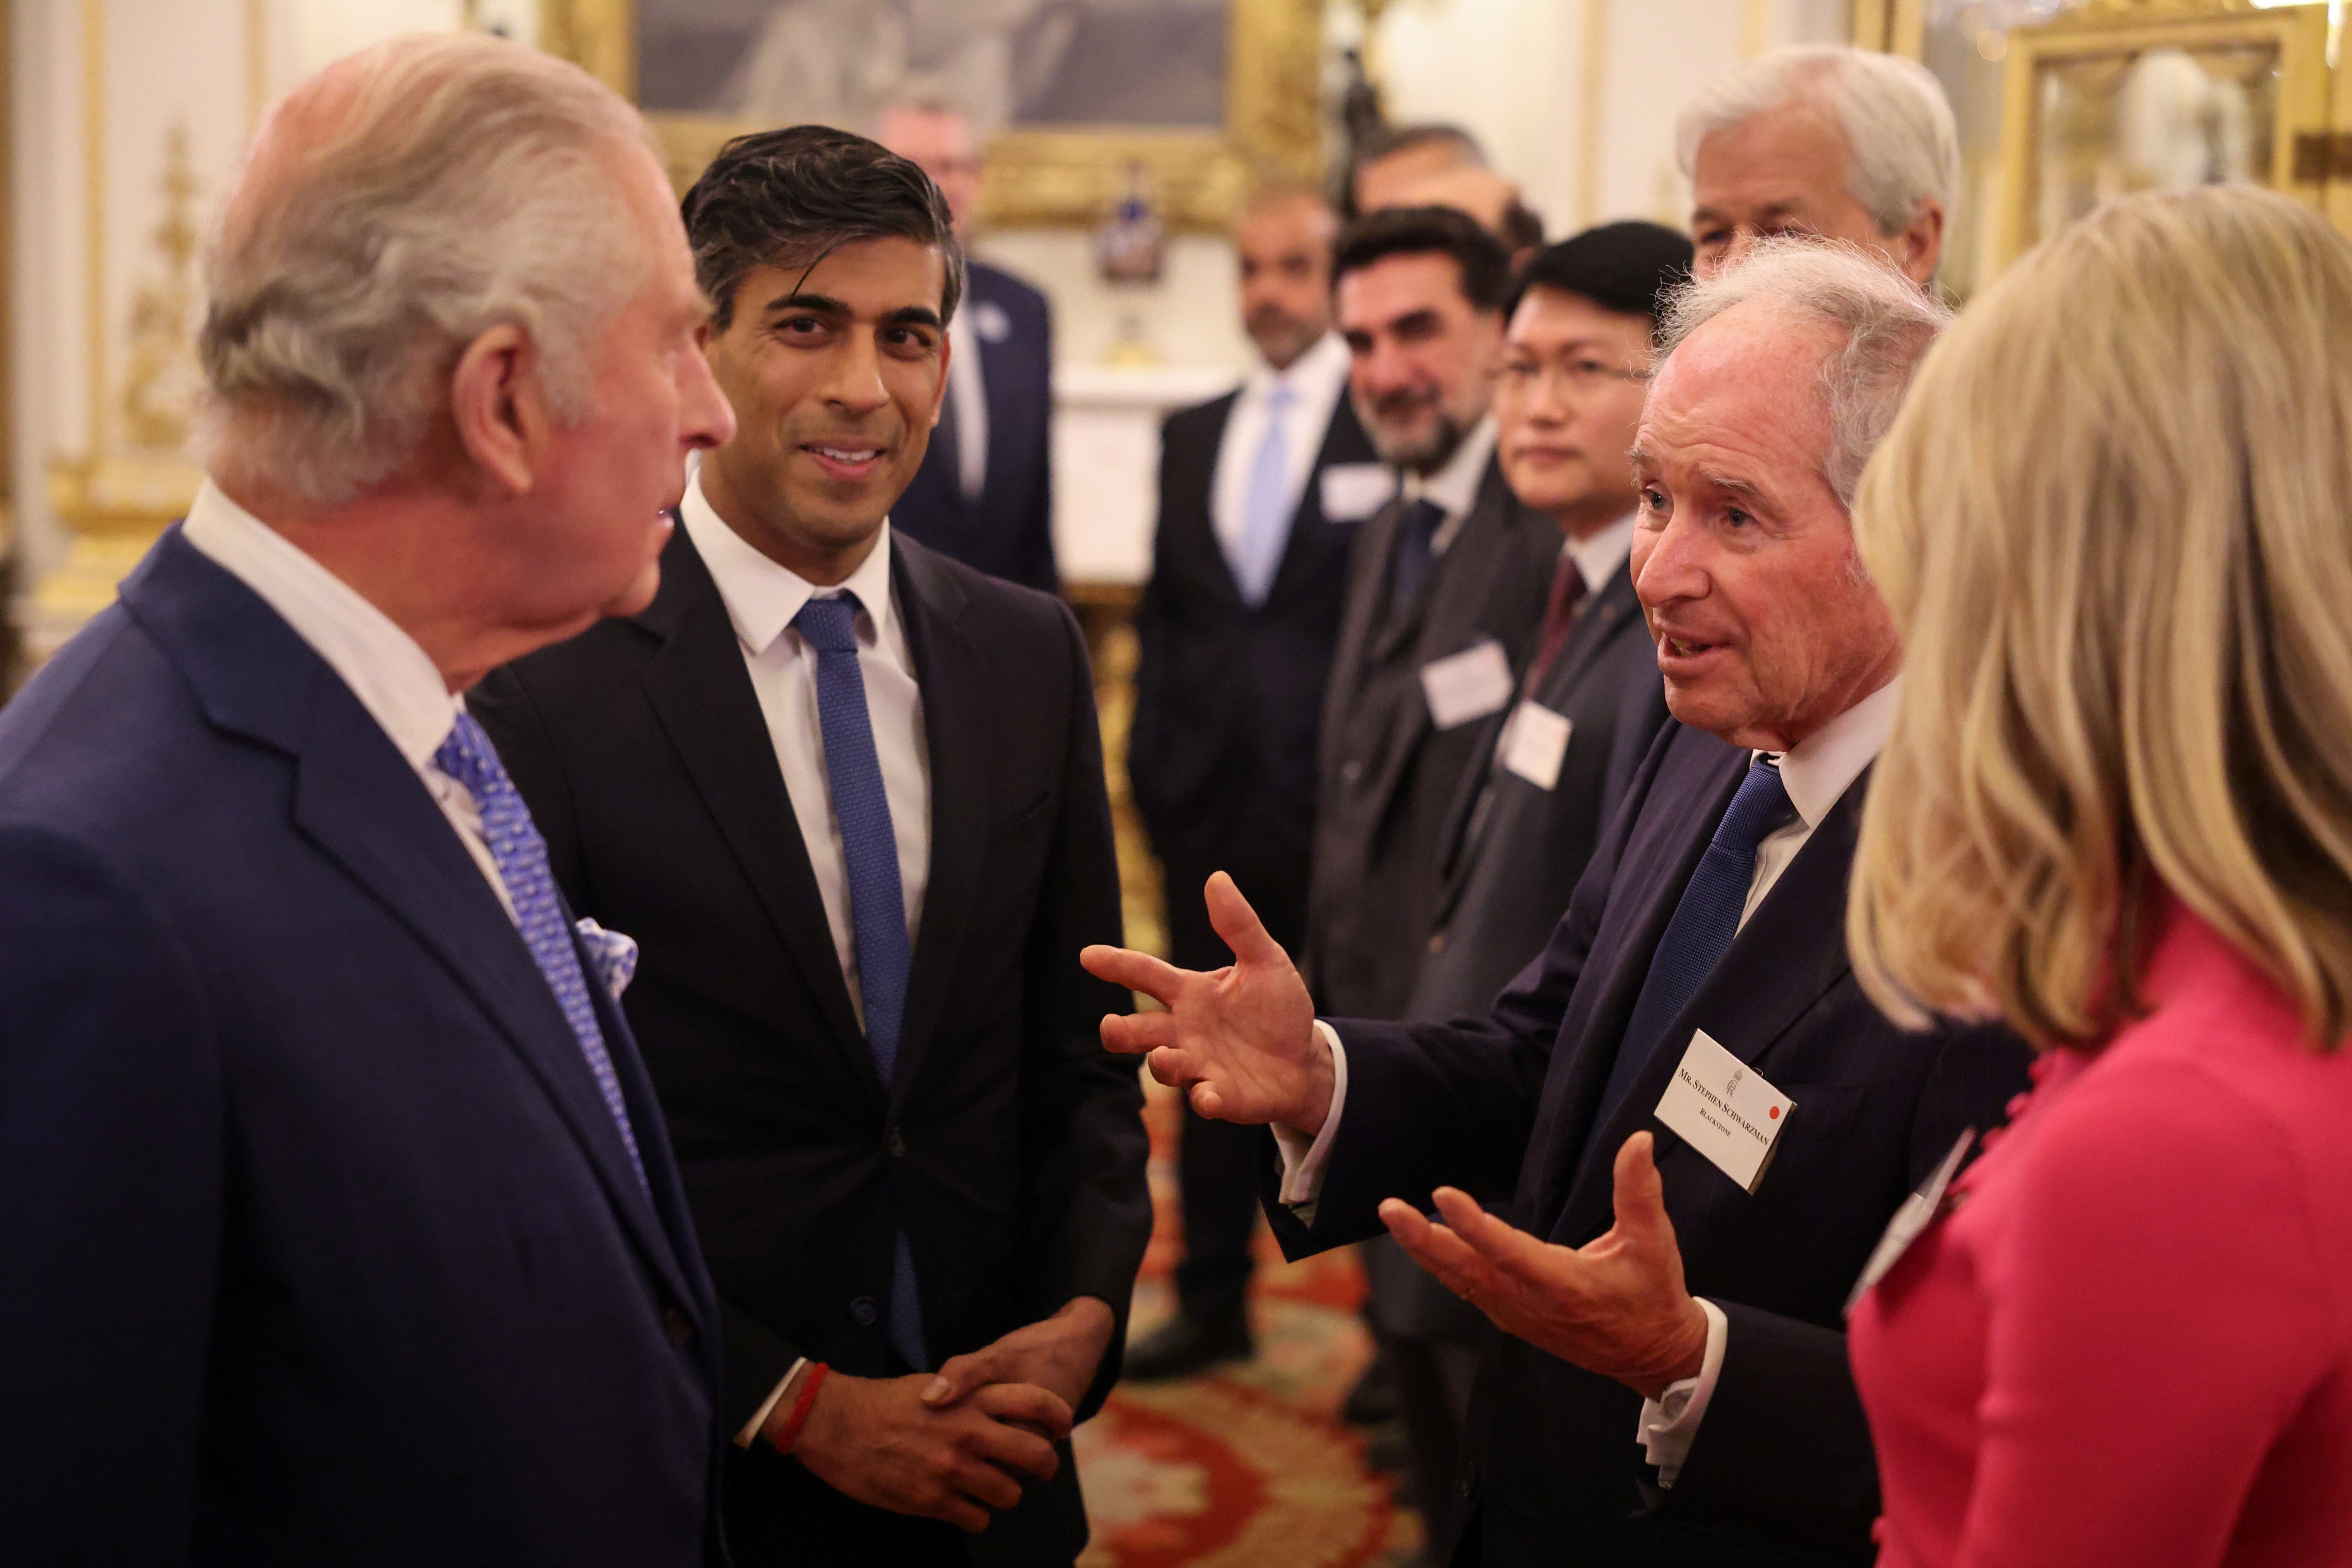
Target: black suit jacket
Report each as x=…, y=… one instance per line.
x=1228, y=696
x=1511, y=850
x=1781, y=1470
x=1009, y=1145
x=1007, y=530
x=1385, y=774
x=318, y=1242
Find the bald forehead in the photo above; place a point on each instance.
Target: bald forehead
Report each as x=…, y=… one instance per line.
x=1751, y=376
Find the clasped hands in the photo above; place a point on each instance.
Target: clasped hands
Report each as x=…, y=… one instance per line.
x=1241, y=1043
x=956, y=1444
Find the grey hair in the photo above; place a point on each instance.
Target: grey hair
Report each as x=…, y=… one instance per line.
x=1903, y=145
x=1887, y=323
x=412, y=197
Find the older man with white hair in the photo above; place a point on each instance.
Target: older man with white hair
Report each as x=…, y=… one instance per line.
x=337, y=1220
x=1824, y=140
x=1704, y=1124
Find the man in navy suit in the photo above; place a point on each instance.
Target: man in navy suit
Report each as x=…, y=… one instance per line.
x=1670, y=1383
x=985, y=494
x=1262, y=493
x=337, y=1220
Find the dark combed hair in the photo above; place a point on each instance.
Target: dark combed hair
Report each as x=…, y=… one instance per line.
x=1429, y=231
x=1628, y=267
x=786, y=198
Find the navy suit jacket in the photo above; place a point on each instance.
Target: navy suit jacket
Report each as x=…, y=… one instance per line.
x=1229, y=695
x=1007, y=530
x=318, y=1242
x=1782, y=1470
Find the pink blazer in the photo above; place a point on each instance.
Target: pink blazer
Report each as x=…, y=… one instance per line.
x=2128, y=1343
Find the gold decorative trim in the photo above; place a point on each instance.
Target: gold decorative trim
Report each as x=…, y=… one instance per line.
x=2117, y=28
x=1895, y=26
x=93, y=132
x=1273, y=125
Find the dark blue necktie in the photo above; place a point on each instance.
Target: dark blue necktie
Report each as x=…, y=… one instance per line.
x=520, y=855
x=1704, y=922
x=878, y=899
x=1416, y=551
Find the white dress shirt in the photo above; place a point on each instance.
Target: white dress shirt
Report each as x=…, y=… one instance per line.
x=969, y=392
x=1817, y=772
x=761, y=599
x=392, y=677
x=1316, y=380
x=1598, y=554
x=1455, y=486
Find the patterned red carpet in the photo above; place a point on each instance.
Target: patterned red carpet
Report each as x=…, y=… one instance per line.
x=1248, y=1466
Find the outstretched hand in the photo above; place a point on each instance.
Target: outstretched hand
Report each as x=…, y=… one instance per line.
x=1616, y=1306
x=1240, y=1040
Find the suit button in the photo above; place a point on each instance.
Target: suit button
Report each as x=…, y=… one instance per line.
x=1351, y=769
x=1437, y=941
x=896, y=1142
x=675, y=1328
x=865, y=1311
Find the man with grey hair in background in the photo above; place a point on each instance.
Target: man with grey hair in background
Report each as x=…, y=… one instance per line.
x=337, y=1220
x=1824, y=140
x=1705, y=1124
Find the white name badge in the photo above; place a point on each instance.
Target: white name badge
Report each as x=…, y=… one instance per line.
x=1466, y=685
x=1353, y=491
x=1723, y=1108
x=1537, y=741
x=1910, y=1222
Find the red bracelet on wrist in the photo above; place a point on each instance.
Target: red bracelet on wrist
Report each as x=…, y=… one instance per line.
x=792, y=1434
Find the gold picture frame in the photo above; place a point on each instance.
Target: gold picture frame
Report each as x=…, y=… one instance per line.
x=1273, y=124
x=2098, y=43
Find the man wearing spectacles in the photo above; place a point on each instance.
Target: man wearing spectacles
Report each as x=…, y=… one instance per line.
x=1567, y=404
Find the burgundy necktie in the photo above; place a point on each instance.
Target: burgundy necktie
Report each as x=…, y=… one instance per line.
x=1559, y=617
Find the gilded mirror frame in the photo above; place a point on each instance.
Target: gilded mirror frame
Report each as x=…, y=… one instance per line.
x=1273, y=127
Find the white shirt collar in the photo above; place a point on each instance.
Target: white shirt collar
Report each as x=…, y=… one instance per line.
x=392, y=677
x=1597, y=555
x=1455, y=486
x=1818, y=769
x=762, y=595
x=1314, y=377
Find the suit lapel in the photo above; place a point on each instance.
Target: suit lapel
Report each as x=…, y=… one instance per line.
x=1612, y=611
x=1343, y=441
x=1364, y=602
x=1786, y=958
x=953, y=677
x=702, y=694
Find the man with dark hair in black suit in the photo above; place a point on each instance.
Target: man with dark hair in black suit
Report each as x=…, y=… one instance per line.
x=1261, y=495
x=1706, y=1125
x=1518, y=832
x=984, y=492
x=1444, y=594
x=859, y=875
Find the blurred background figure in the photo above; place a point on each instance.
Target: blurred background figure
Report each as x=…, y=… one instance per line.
x=1516, y=834
x=2117, y=808
x=1443, y=166
x=985, y=494
x=1262, y=493
x=1823, y=139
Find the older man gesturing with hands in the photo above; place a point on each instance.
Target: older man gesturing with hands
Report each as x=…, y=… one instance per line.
x=1703, y=1125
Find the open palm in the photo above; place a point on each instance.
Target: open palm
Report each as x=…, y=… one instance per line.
x=1239, y=1040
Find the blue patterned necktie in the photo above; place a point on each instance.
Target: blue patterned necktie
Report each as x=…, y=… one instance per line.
x=877, y=898
x=1416, y=551
x=520, y=857
x=1265, y=519
x=1704, y=922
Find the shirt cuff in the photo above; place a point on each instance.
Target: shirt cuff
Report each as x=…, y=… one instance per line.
x=1303, y=1160
x=751, y=1432
x=1670, y=1422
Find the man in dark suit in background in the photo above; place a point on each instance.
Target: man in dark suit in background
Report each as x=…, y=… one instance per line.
x=1261, y=494
x=984, y=493
x=1575, y=364
x=338, y=1225
x=848, y=795
x=1444, y=594
x=1691, y=1057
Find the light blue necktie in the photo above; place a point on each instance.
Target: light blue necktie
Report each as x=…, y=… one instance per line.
x=1704, y=922
x=1256, y=555
x=878, y=899
x=520, y=855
